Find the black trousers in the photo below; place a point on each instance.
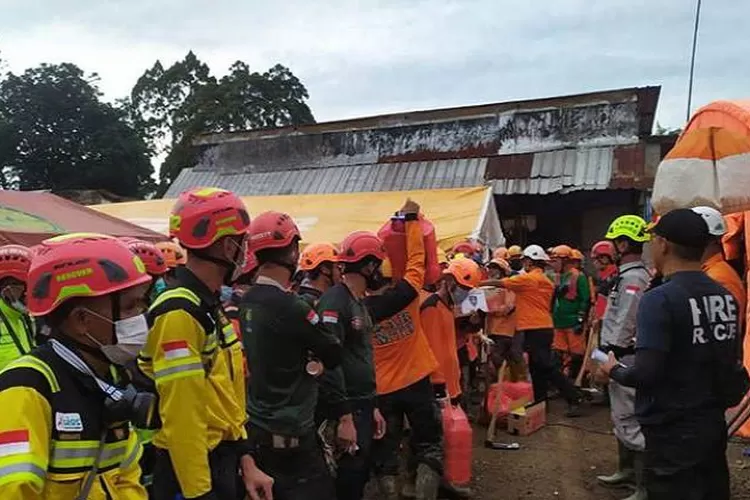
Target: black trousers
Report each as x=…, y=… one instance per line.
x=299, y=473
x=686, y=459
x=224, y=463
x=417, y=403
x=353, y=471
x=544, y=370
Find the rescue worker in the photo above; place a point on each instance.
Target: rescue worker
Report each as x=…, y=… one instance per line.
x=174, y=256
x=194, y=357
x=515, y=259
x=687, y=367
x=577, y=257
x=628, y=233
x=571, y=306
x=714, y=264
x=342, y=307
x=67, y=432
x=153, y=259
x=534, y=295
x=156, y=267
x=288, y=346
x=603, y=257
x=403, y=364
x=500, y=253
x=16, y=328
x=501, y=326
x=319, y=262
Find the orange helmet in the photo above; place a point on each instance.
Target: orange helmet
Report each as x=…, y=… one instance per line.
x=500, y=253
x=465, y=247
x=576, y=254
x=14, y=262
x=202, y=216
x=151, y=256
x=316, y=254
x=80, y=265
x=502, y=264
x=361, y=244
x=515, y=252
x=561, y=252
x=466, y=272
x=273, y=230
x=174, y=255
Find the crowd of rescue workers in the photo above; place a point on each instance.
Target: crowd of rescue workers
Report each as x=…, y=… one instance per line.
x=228, y=363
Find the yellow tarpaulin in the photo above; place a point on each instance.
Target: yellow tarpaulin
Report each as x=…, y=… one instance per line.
x=456, y=213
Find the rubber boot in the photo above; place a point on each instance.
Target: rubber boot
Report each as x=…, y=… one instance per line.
x=640, y=483
x=388, y=487
x=576, y=362
x=625, y=475
x=428, y=482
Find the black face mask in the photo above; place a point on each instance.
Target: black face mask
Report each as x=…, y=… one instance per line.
x=516, y=264
x=376, y=280
x=135, y=406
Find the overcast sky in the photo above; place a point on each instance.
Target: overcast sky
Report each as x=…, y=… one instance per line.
x=360, y=57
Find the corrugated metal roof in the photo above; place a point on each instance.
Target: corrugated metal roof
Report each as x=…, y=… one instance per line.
x=562, y=172
x=439, y=174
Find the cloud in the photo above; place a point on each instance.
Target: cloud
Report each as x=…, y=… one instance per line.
x=367, y=57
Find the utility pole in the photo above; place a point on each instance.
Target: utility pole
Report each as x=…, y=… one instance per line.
x=692, y=60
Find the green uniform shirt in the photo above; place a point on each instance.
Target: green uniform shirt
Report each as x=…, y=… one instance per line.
x=569, y=313
x=281, y=332
x=352, y=323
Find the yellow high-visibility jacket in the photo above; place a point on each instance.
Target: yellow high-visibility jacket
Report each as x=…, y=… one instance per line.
x=50, y=436
x=195, y=358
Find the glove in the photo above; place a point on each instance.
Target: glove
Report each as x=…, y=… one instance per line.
x=486, y=340
x=578, y=328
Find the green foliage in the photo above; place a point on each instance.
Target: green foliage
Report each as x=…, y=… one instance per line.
x=174, y=105
x=56, y=133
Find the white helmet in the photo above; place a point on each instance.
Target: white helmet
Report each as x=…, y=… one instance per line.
x=535, y=252
x=714, y=220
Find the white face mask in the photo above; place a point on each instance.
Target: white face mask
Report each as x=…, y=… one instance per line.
x=131, y=334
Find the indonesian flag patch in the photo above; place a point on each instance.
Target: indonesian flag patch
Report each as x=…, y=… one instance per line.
x=176, y=349
x=14, y=442
x=632, y=289
x=313, y=317
x=330, y=317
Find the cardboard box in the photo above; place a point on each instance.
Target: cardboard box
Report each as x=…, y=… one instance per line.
x=527, y=420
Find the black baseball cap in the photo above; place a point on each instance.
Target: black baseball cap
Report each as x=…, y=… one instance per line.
x=683, y=227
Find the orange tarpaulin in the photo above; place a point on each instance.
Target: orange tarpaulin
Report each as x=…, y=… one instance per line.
x=28, y=218
x=710, y=165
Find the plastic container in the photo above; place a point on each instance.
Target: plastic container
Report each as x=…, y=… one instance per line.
x=458, y=444
x=393, y=234
x=512, y=395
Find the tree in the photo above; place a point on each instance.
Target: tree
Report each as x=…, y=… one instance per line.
x=172, y=106
x=56, y=134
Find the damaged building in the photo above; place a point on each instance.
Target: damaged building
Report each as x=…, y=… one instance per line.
x=560, y=168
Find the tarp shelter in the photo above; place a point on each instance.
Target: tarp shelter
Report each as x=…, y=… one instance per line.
x=710, y=165
x=27, y=218
x=456, y=213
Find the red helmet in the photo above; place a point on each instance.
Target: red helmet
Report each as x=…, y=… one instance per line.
x=602, y=248
x=202, y=216
x=316, y=254
x=251, y=263
x=272, y=230
x=151, y=256
x=80, y=265
x=14, y=262
x=361, y=244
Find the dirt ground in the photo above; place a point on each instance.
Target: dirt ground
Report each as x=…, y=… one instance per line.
x=562, y=460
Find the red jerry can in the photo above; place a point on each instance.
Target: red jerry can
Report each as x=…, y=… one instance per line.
x=393, y=234
x=458, y=444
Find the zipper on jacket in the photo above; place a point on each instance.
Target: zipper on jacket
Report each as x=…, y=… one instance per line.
x=107, y=494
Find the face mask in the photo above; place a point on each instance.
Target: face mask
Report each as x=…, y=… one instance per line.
x=375, y=281
x=19, y=306
x=159, y=286
x=516, y=264
x=131, y=334
x=226, y=294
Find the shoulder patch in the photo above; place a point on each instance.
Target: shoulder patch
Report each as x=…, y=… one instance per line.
x=14, y=442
